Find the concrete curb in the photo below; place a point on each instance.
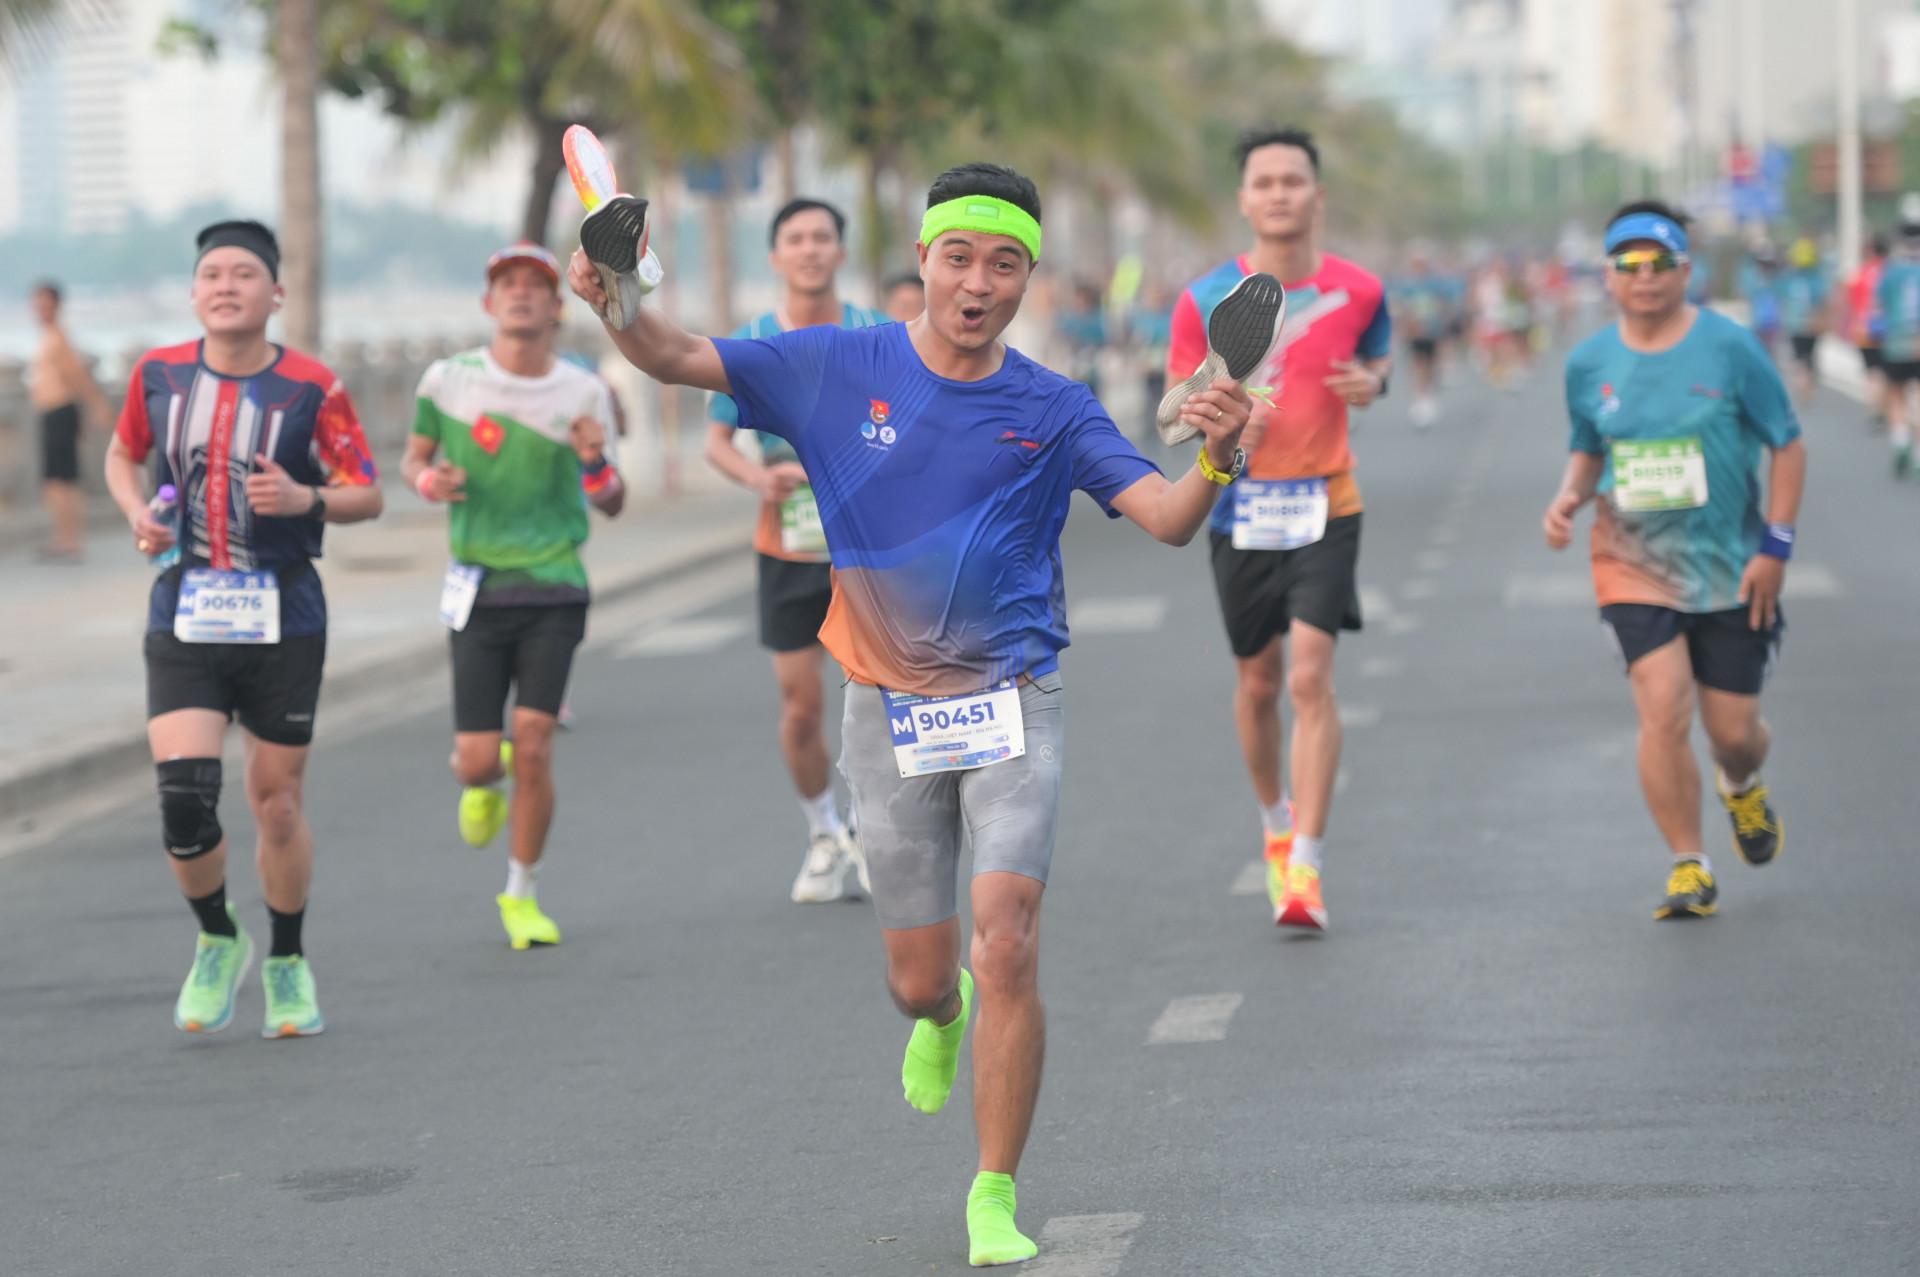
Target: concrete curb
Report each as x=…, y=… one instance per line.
x=113, y=754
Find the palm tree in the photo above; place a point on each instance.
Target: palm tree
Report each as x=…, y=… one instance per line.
x=634, y=67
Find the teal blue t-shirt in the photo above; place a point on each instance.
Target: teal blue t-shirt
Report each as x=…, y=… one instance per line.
x=721, y=408
x=1803, y=291
x=1899, y=297
x=1717, y=386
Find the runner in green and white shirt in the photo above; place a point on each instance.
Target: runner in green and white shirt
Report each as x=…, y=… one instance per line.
x=525, y=448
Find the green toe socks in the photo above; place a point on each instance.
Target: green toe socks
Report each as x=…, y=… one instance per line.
x=933, y=1055
x=991, y=1236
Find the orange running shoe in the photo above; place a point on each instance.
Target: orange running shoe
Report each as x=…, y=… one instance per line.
x=1300, y=905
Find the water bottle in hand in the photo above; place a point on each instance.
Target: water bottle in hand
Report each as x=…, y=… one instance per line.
x=164, y=506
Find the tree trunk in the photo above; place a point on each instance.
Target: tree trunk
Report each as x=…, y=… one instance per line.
x=549, y=161
x=720, y=256
x=783, y=160
x=300, y=246
x=874, y=215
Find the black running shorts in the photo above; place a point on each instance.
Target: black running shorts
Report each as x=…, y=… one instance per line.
x=272, y=688
x=525, y=650
x=60, y=444
x=1422, y=347
x=794, y=598
x=1803, y=346
x=1870, y=355
x=1901, y=371
x=1261, y=591
x=1727, y=653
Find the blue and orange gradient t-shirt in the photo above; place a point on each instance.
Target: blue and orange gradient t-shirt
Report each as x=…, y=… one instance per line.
x=942, y=501
x=1338, y=312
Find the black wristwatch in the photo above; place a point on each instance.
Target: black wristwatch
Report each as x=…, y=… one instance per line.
x=318, y=510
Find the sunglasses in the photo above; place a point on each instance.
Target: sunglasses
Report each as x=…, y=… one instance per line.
x=1659, y=258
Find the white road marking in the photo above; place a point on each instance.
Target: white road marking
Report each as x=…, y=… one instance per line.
x=1084, y=1245
x=1404, y=622
x=685, y=638
x=1125, y=614
x=1382, y=667
x=1421, y=587
x=615, y=623
x=1432, y=560
x=1200, y=1018
x=1575, y=589
x=1375, y=603
x=1252, y=880
x=1359, y=715
x=1444, y=536
x=1340, y=779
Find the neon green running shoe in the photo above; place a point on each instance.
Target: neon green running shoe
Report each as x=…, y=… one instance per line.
x=933, y=1055
x=991, y=1237
x=483, y=808
x=219, y=965
x=292, y=1009
x=525, y=924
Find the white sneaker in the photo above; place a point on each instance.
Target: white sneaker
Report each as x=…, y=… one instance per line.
x=1423, y=413
x=1241, y=332
x=821, y=873
x=855, y=855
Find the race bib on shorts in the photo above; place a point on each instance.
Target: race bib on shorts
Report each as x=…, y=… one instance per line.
x=800, y=530
x=1278, y=514
x=1659, y=474
x=955, y=733
x=457, y=593
x=218, y=606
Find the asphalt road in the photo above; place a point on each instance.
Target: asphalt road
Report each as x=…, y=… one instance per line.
x=1495, y=1063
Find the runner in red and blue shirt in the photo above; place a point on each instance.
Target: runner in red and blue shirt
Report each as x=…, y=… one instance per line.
x=254, y=446
x=944, y=464
x=1286, y=536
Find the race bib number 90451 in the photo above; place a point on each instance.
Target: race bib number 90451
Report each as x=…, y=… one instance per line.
x=218, y=606
x=955, y=733
x=1659, y=474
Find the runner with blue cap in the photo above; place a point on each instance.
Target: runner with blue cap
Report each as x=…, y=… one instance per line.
x=1671, y=408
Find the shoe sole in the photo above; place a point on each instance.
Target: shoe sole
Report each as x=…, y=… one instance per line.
x=1241, y=333
x=246, y=965
x=1665, y=914
x=294, y=1031
x=615, y=234
x=1294, y=915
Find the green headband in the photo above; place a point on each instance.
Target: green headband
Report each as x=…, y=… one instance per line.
x=986, y=214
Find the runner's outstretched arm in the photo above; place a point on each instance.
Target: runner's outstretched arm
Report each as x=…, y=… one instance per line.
x=654, y=344
x=1173, y=511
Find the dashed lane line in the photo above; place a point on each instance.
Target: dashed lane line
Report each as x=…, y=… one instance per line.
x=1123, y=614
x=1084, y=1245
x=1200, y=1017
x=1252, y=880
x=685, y=638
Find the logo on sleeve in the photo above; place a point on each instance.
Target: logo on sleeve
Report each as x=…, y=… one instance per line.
x=1609, y=402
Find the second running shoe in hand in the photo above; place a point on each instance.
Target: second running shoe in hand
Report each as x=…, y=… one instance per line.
x=614, y=234
x=1241, y=333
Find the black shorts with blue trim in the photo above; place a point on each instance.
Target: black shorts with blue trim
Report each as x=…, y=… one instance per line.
x=1726, y=652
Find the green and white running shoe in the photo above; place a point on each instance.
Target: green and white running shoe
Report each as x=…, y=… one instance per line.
x=484, y=808
x=219, y=965
x=292, y=1009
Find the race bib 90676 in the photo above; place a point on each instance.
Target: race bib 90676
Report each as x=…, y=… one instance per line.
x=218, y=606
x=1278, y=514
x=1659, y=474
x=955, y=733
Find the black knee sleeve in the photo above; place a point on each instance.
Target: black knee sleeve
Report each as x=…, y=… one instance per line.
x=190, y=806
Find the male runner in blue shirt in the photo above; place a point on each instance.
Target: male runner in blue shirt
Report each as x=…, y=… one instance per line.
x=944, y=462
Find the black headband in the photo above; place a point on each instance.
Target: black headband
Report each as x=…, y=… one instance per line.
x=252, y=236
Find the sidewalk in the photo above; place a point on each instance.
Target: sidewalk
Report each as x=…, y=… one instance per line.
x=73, y=683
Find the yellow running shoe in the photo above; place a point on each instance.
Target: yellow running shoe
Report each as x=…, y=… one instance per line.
x=1690, y=892
x=484, y=808
x=1300, y=904
x=525, y=924
x=1757, y=833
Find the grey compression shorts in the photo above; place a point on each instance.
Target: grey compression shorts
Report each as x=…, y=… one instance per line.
x=911, y=828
